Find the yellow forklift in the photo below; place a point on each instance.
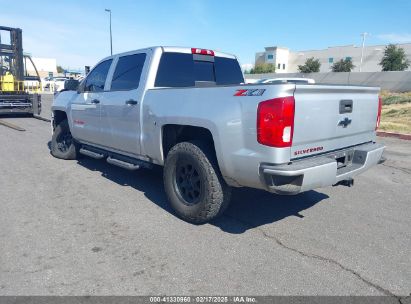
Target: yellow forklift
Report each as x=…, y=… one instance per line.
x=19, y=92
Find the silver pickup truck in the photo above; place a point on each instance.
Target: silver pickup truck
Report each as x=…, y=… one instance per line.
x=189, y=110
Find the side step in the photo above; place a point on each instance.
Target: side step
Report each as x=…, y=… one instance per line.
x=91, y=153
x=122, y=164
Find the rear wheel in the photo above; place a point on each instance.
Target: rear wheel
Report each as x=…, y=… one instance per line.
x=193, y=182
x=63, y=144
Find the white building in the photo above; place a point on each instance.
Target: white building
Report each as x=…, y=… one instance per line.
x=44, y=66
x=279, y=56
x=287, y=61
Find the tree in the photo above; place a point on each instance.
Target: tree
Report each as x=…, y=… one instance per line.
x=60, y=69
x=263, y=68
x=344, y=65
x=311, y=65
x=394, y=59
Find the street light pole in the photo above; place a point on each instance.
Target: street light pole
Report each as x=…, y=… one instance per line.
x=111, y=37
x=362, y=50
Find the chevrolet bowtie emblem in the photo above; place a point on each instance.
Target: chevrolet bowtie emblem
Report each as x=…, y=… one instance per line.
x=345, y=122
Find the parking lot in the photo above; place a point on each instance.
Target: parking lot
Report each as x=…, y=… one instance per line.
x=86, y=227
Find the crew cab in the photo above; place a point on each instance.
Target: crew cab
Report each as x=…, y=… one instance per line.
x=188, y=110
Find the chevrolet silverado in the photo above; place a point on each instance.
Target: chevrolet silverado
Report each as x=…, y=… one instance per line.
x=188, y=110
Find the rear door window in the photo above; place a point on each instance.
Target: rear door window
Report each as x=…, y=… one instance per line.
x=128, y=72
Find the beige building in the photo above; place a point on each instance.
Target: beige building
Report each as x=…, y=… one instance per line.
x=287, y=61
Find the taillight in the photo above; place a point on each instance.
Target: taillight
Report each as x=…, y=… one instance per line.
x=379, y=113
x=275, y=122
x=202, y=52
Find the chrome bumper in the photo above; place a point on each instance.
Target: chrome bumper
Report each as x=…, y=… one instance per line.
x=319, y=171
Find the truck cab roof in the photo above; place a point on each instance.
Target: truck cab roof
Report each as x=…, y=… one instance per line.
x=173, y=49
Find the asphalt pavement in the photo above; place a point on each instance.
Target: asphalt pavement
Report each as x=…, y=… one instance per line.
x=88, y=228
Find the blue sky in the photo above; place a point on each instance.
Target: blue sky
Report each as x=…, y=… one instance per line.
x=76, y=32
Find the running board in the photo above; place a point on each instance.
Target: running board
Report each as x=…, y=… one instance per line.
x=91, y=153
x=122, y=164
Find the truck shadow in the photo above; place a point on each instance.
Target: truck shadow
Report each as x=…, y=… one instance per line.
x=252, y=208
x=249, y=208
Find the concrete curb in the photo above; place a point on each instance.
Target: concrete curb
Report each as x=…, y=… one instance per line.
x=395, y=135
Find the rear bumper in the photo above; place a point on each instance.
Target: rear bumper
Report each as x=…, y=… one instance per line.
x=319, y=171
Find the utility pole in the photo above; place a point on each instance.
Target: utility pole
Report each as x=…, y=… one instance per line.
x=111, y=37
x=362, y=50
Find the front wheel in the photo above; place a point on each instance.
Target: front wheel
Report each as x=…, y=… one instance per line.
x=193, y=182
x=63, y=144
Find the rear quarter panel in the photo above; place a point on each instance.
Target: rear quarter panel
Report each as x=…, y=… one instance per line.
x=230, y=119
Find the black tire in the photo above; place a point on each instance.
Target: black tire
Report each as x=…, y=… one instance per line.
x=193, y=183
x=63, y=144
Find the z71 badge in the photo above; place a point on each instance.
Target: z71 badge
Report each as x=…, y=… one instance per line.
x=250, y=92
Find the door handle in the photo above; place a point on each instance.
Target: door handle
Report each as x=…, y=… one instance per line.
x=131, y=102
x=95, y=101
x=346, y=106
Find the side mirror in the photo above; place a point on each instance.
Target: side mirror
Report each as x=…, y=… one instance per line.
x=71, y=85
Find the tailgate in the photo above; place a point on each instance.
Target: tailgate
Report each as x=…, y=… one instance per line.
x=329, y=118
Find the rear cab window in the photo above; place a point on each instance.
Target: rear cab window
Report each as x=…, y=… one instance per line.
x=185, y=70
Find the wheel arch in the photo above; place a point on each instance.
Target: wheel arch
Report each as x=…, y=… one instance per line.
x=172, y=134
x=58, y=117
